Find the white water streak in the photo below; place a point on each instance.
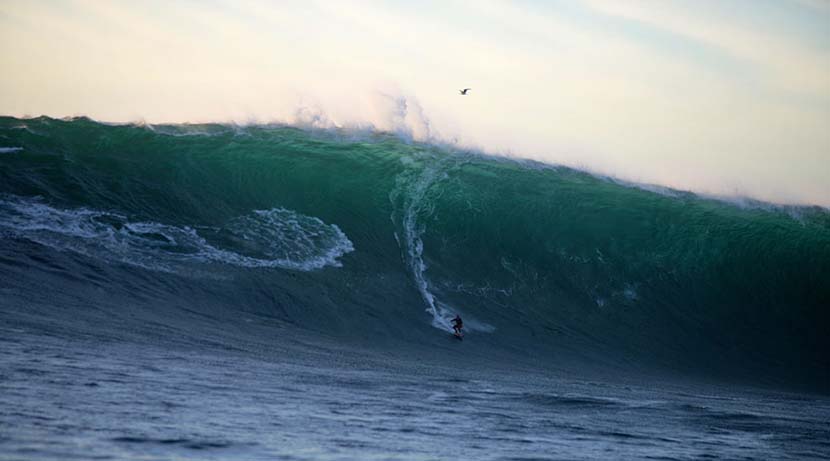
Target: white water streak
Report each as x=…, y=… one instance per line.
x=276, y=238
x=415, y=189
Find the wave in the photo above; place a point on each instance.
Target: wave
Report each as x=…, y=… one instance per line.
x=541, y=261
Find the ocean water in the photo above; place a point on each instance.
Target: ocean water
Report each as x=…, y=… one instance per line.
x=267, y=292
x=92, y=399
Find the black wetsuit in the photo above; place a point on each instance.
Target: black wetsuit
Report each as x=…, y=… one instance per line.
x=457, y=324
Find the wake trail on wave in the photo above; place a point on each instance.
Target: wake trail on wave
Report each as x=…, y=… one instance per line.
x=411, y=199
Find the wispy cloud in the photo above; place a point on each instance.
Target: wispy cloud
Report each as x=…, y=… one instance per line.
x=781, y=60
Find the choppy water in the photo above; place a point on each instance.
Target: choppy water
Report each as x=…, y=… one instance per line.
x=83, y=399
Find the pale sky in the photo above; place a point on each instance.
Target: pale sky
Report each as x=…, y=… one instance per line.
x=723, y=97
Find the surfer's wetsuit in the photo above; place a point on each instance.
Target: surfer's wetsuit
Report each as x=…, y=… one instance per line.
x=457, y=324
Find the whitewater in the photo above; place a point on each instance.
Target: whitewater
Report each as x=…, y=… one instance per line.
x=276, y=292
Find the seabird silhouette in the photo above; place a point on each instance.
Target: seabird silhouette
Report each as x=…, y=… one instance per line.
x=464, y=91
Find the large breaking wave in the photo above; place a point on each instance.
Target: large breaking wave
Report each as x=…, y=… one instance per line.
x=541, y=261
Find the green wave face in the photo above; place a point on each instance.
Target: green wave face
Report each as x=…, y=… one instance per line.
x=364, y=235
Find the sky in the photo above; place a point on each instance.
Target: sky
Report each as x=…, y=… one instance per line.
x=722, y=97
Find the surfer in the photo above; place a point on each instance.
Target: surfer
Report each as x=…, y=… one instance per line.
x=457, y=324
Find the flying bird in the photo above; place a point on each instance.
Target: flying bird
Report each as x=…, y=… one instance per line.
x=464, y=91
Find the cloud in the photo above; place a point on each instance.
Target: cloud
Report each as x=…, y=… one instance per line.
x=783, y=61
